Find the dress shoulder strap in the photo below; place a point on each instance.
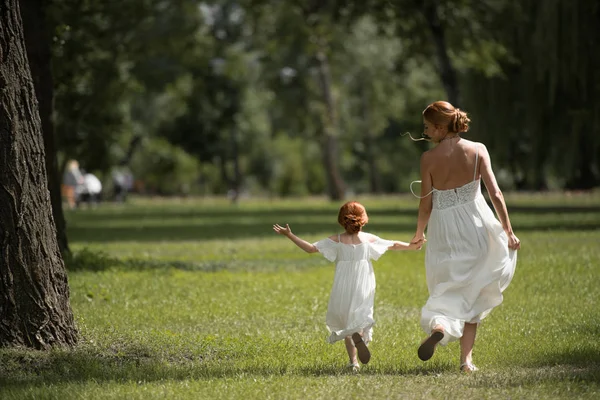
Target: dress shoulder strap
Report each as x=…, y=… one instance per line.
x=416, y=195
x=476, y=159
x=339, y=240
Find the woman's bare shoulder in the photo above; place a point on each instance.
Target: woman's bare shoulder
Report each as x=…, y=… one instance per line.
x=472, y=143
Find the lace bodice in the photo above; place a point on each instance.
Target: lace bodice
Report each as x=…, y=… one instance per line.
x=443, y=199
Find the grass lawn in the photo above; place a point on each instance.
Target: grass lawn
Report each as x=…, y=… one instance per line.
x=198, y=299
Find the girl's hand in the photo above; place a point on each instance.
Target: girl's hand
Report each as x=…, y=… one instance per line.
x=287, y=231
x=513, y=242
x=417, y=245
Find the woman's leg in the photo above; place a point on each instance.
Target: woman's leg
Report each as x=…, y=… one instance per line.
x=467, y=341
x=427, y=347
x=351, y=349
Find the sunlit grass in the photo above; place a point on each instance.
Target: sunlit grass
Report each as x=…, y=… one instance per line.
x=200, y=299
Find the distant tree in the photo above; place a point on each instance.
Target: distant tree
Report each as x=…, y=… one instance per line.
x=38, y=39
x=34, y=292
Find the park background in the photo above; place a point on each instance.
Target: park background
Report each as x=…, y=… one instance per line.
x=234, y=115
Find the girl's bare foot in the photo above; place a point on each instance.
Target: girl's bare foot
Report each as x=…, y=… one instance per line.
x=354, y=366
x=364, y=355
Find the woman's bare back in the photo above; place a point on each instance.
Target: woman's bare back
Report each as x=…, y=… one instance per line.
x=452, y=164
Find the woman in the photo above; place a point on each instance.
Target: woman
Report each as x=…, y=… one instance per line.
x=471, y=256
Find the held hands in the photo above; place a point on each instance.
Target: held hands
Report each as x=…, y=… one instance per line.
x=406, y=246
x=287, y=231
x=417, y=241
x=417, y=245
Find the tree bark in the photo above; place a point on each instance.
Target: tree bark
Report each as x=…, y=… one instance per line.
x=34, y=292
x=38, y=41
x=335, y=183
x=446, y=69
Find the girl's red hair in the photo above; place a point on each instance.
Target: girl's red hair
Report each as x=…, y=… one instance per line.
x=352, y=217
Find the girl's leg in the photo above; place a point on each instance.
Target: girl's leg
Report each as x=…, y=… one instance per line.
x=467, y=341
x=351, y=350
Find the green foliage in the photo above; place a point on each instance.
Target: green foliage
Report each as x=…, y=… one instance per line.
x=204, y=300
x=223, y=79
x=540, y=115
x=165, y=169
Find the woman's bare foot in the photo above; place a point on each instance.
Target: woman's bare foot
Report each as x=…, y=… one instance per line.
x=427, y=348
x=468, y=368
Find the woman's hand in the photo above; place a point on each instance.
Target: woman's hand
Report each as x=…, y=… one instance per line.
x=513, y=242
x=287, y=231
x=418, y=239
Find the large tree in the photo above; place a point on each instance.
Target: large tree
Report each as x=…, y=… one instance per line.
x=38, y=40
x=34, y=292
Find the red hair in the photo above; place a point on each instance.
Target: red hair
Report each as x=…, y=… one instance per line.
x=352, y=217
x=445, y=114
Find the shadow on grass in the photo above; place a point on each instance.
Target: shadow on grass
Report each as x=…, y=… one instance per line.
x=21, y=369
x=238, y=227
x=24, y=369
x=88, y=260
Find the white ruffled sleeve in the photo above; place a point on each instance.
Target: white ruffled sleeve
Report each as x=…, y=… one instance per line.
x=328, y=248
x=379, y=247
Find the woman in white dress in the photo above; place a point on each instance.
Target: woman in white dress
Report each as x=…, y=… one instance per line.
x=350, y=309
x=471, y=256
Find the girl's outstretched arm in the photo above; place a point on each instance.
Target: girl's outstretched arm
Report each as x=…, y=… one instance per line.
x=398, y=245
x=303, y=244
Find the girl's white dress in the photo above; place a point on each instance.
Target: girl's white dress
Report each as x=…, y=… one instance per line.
x=468, y=262
x=350, y=306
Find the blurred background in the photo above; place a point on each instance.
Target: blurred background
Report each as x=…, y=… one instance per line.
x=272, y=98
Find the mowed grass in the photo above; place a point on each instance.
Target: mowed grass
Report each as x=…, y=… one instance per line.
x=199, y=299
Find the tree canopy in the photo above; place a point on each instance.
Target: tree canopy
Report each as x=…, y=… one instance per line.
x=311, y=97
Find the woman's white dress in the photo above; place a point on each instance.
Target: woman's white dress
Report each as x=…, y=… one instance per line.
x=468, y=262
x=350, y=306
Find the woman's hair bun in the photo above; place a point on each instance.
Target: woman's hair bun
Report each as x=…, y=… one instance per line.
x=461, y=121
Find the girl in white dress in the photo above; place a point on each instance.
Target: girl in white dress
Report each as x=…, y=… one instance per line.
x=471, y=256
x=350, y=309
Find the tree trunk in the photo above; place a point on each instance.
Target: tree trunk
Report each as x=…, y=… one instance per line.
x=134, y=143
x=37, y=40
x=335, y=182
x=374, y=181
x=34, y=292
x=446, y=69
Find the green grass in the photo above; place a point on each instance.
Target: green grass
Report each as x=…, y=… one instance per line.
x=199, y=299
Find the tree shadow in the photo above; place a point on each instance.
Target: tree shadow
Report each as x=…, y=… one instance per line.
x=150, y=225
x=22, y=369
x=88, y=260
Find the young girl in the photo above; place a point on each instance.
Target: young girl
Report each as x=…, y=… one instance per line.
x=350, y=309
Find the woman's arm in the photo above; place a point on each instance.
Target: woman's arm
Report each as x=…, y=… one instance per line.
x=426, y=203
x=303, y=244
x=489, y=179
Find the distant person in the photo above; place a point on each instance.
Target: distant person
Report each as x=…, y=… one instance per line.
x=72, y=183
x=350, y=309
x=471, y=256
x=122, y=184
x=91, y=190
